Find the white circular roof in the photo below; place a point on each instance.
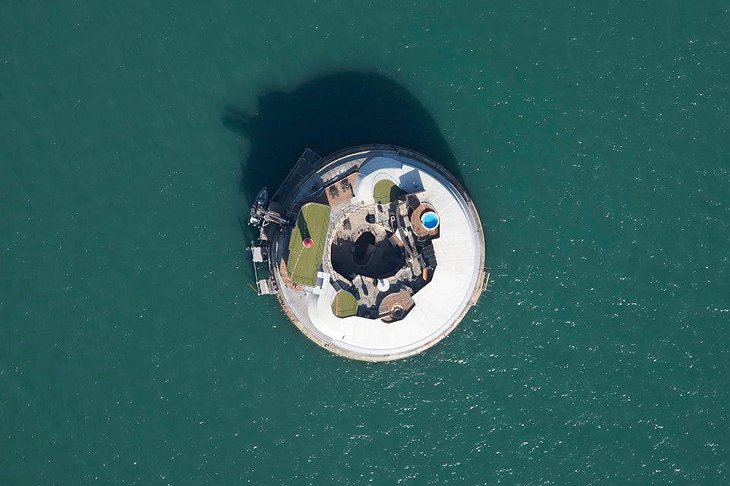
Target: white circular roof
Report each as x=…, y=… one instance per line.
x=441, y=303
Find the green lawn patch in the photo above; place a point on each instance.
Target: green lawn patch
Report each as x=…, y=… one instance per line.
x=303, y=262
x=385, y=191
x=344, y=304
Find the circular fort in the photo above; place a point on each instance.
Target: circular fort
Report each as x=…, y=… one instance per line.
x=375, y=253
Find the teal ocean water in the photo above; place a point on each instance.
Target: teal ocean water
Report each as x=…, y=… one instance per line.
x=593, y=137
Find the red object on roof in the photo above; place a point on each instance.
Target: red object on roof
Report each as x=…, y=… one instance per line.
x=307, y=242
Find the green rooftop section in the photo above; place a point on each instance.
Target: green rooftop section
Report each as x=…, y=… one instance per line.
x=344, y=304
x=385, y=191
x=303, y=263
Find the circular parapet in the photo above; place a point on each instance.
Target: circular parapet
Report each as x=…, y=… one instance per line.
x=419, y=228
x=434, y=275
x=395, y=306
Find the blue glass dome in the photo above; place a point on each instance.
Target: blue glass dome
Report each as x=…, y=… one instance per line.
x=430, y=220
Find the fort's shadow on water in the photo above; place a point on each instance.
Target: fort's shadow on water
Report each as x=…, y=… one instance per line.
x=330, y=113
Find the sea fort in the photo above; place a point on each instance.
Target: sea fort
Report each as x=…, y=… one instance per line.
x=375, y=253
